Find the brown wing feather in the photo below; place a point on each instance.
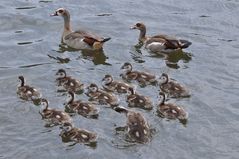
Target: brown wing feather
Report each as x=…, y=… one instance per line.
x=170, y=42
x=87, y=34
x=89, y=41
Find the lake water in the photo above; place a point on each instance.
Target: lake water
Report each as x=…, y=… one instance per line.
x=29, y=46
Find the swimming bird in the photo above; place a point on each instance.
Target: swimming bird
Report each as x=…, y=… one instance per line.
x=137, y=100
x=144, y=78
x=76, y=134
x=137, y=126
x=68, y=83
x=169, y=110
x=111, y=85
x=79, y=39
x=85, y=109
x=101, y=96
x=27, y=92
x=173, y=88
x=53, y=116
x=160, y=43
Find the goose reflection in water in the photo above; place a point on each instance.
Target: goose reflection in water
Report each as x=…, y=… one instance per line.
x=171, y=59
x=98, y=57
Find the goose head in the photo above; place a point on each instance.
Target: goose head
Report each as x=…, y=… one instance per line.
x=66, y=127
x=61, y=12
x=70, y=97
x=161, y=98
x=139, y=26
x=127, y=67
x=21, y=80
x=44, y=105
x=163, y=79
x=130, y=91
x=107, y=79
x=92, y=88
x=142, y=28
x=61, y=73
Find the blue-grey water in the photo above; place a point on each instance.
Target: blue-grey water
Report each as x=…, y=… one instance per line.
x=30, y=46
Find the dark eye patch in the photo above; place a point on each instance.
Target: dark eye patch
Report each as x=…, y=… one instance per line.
x=138, y=24
x=60, y=11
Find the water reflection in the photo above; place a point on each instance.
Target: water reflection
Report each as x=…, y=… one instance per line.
x=59, y=59
x=24, y=43
x=96, y=56
x=66, y=139
x=45, y=1
x=171, y=59
x=26, y=7
x=182, y=121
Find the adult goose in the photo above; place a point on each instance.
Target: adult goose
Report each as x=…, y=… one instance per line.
x=79, y=39
x=160, y=43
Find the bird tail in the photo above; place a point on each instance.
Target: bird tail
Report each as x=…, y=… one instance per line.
x=184, y=43
x=121, y=109
x=105, y=39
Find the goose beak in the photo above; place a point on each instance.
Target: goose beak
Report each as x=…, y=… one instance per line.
x=54, y=14
x=133, y=27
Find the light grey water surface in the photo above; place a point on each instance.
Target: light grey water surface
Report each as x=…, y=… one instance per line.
x=29, y=46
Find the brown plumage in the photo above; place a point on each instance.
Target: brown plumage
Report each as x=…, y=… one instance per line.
x=85, y=109
x=173, y=88
x=76, y=134
x=109, y=84
x=136, y=100
x=101, y=96
x=68, y=83
x=53, y=116
x=137, y=126
x=79, y=39
x=169, y=110
x=27, y=92
x=161, y=42
x=142, y=77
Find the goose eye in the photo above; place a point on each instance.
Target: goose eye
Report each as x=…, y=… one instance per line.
x=60, y=11
x=138, y=24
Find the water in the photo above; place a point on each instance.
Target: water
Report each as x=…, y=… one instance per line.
x=29, y=46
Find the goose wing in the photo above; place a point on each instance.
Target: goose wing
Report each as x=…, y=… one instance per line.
x=168, y=43
x=88, y=37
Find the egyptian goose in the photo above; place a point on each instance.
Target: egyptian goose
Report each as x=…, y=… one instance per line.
x=173, y=88
x=137, y=100
x=27, y=92
x=170, y=110
x=111, y=85
x=79, y=39
x=53, y=116
x=68, y=83
x=143, y=78
x=101, y=96
x=137, y=126
x=160, y=43
x=76, y=134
